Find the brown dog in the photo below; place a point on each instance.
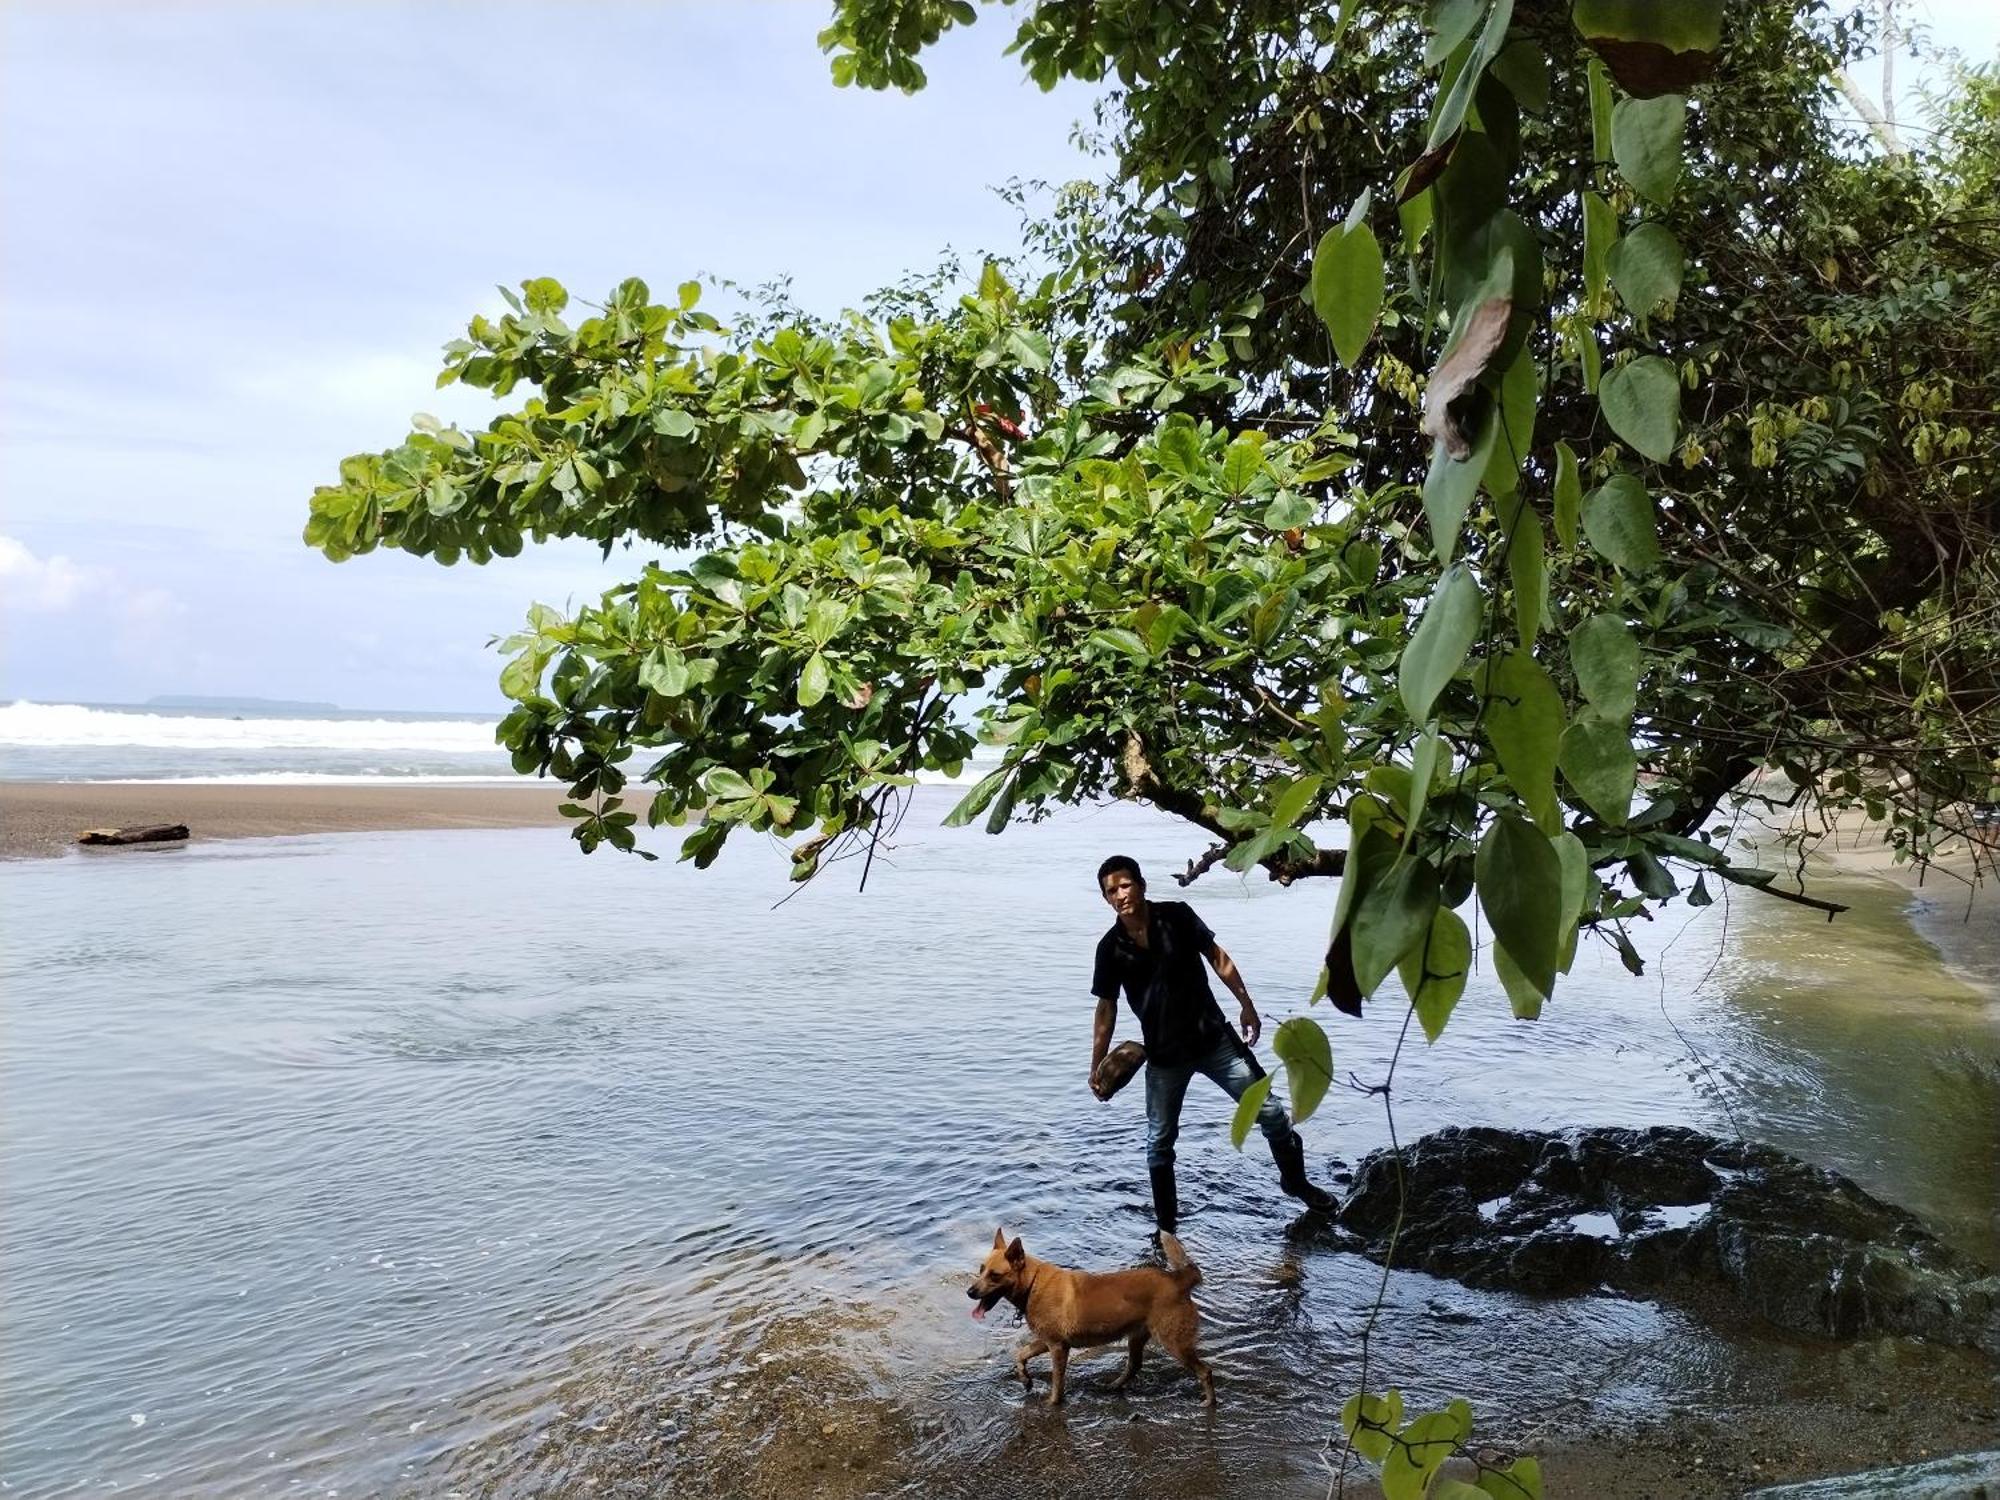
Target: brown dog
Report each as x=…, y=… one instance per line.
x=1068, y=1310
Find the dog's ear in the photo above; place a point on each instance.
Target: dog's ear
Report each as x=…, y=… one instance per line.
x=999, y=1239
x=1015, y=1254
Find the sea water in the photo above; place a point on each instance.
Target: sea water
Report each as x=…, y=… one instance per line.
x=434, y=1163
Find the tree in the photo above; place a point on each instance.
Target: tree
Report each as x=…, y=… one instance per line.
x=1700, y=480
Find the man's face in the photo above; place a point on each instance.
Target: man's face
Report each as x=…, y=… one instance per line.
x=1125, y=893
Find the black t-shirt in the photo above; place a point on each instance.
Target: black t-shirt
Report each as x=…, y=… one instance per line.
x=1166, y=983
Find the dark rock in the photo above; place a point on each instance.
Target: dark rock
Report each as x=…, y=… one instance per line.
x=153, y=833
x=1664, y=1209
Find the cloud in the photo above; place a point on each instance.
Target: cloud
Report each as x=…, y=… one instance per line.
x=45, y=585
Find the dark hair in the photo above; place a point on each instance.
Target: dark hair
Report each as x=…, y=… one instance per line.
x=1119, y=863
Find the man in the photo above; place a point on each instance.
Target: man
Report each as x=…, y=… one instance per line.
x=1154, y=952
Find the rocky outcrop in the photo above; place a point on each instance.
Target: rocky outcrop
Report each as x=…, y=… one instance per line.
x=1665, y=1209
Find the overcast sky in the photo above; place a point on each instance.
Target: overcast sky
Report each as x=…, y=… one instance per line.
x=233, y=236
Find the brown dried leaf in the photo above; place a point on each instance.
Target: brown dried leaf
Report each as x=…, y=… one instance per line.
x=1469, y=357
x=1647, y=70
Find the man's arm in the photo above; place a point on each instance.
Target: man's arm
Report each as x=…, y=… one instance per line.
x=1226, y=970
x=1101, y=1028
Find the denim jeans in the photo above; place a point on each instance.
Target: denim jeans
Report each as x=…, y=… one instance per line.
x=1233, y=1067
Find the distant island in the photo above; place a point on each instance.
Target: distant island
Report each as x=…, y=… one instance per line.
x=237, y=705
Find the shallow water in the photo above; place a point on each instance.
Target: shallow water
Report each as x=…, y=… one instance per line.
x=454, y=1161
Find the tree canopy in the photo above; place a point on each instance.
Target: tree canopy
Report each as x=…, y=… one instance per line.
x=1509, y=428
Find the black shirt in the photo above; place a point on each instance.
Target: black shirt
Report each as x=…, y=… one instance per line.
x=1165, y=983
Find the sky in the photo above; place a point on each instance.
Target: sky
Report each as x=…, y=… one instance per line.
x=233, y=237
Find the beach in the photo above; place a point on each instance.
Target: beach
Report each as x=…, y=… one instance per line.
x=42, y=819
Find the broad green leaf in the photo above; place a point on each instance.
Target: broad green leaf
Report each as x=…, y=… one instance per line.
x=1246, y=1111
x=1448, y=23
x=1117, y=638
x=1451, y=484
x=1514, y=433
x=1302, y=1047
x=1569, y=496
x=1384, y=1418
x=1650, y=876
x=1424, y=758
x=1241, y=462
x=1522, y=1480
x=1527, y=567
x=1600, y=241
x=1600, y=110
x=825, y=619
x=813, y=680
x=1646, y=267
x=1606, y=659
x=1426, y=1444
x=1289, y=509
x=1597, y=758
x=1347, y=287
x=725, y=785
x=974, y=802
x=1646, y=144
x=1391, y=918
x=1347, y=10
x=1618, y=519
x=1523, y=996
x=1450, y=116
x=1576, y=882
x=1292, y=802
x=1651, y=47
x=1519, y=878
x=1642, y=402
x=1438, y=646
x=1524, y=68
x=1524, y=723
x=1433, y=972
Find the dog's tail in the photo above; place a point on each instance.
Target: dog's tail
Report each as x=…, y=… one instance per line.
x=1185, y=1271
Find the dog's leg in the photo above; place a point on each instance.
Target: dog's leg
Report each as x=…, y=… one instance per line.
x=1058, y=1365
x=1175, y=1329
x=1134, y=1348
x=1027, y=1352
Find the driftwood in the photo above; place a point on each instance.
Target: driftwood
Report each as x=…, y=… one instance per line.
x=152, y=833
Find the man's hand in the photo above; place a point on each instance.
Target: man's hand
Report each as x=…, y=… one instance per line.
x=1253, y=1024
x=1101, y=1095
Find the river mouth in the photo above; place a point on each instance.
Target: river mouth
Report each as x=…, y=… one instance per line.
x=422, y=1163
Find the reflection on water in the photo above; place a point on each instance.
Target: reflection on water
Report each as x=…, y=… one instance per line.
x=433, y=1161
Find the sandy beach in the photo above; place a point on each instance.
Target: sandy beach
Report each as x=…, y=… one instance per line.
x=42, y=819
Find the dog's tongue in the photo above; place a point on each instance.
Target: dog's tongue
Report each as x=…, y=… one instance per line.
x=978, y=1313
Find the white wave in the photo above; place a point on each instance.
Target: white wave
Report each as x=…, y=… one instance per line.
x=73, y=726
x=316, y=778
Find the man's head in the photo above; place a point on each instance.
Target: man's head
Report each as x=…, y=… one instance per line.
x=1121, y=884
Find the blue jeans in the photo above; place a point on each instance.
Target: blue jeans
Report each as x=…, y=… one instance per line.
x=1233, y=1067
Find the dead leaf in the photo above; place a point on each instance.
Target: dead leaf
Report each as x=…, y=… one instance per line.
x=1468, y=358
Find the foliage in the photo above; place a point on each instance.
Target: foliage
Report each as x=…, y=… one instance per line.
x=1700, y=481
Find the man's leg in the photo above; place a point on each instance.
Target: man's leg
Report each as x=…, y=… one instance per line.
x=1235, y=1068
x=1165, y=1088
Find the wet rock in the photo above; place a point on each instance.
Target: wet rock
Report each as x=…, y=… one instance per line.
x=1967, y=1476
x=1651, y=1211
x=152, y=833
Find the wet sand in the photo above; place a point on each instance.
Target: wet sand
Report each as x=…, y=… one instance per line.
x=42, y=819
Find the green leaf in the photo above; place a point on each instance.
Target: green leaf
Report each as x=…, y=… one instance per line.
x=1523, y=996
x=1642, y=402
x=1520, y=1481
x=825, y=619
x=1391, y=918
x=725, y=785
x=1569, y=496
x=1426, y=1444
x=1653, y=48
x=1438, y=646
x=813, y=681
x=1450, y=116
x=1524, y=723
x=1597, y=758
x=1289, y=509
x=1576, y=883
x=1618, y=519
x=1449, y=22
x=1514, y=431
x=1424, y=760
x=1600, y=239
x=1527, y=567
x=1292, y=802
x=1347, y=287
x=1605, y=657
x=1116, y=638
x=1451, y=484
x=974, y=802
x=1524, y=68
x=1646, y=144
x=1650, y=876
x=1646, y=267
x=1448, y=1488
x=1519, y=878
x=1241, y=462
x=1246, y=1111
x=1434, y=971
x=1302, y=1047
x=1384, y=1417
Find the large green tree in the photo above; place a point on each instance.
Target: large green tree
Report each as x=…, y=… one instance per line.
x=1508, y=427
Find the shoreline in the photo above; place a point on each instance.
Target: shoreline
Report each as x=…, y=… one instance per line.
x=41, y=819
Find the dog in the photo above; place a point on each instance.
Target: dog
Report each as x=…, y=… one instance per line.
x=1067, y=1310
